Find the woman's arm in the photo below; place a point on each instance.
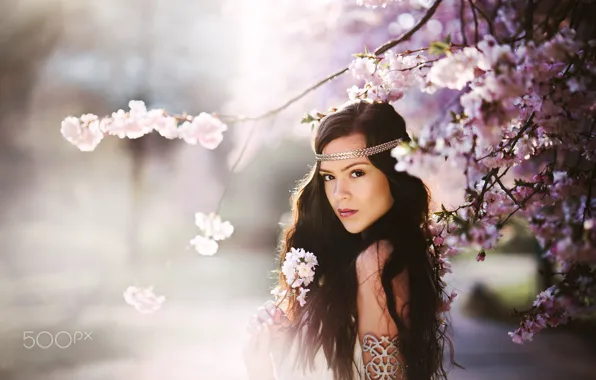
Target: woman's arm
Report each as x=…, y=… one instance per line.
x=265, y=334
x=377, y=332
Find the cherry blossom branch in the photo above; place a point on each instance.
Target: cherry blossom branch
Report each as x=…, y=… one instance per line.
x=380, y=50
x=408, y=52
x=506, y=190
x=420, y=64
x=512, y=142
x=527, y=125
x=406, y=36
x=485, y=188
x=521, y=205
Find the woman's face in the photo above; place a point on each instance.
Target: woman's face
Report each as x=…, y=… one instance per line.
x=357, y=191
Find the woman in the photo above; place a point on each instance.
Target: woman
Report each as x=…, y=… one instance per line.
x=372, y=310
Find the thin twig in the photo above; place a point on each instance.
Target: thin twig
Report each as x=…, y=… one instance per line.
x=289, y=102
x=489, y=22
x=416, y=65
x=506, y=190
x=520, y=133
x=240, y=155
x=527, y=125
x=462, y=21
x=476, y=32
x=406, y=36
x=380, y=50
x=485, y=188
x=570, y=6
x=502, y=223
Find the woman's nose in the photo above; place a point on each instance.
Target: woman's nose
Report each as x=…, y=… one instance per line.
x=341, y=190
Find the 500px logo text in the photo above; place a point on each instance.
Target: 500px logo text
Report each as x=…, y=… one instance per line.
x=61, y=339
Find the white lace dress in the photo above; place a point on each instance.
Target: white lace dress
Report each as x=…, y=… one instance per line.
x=286, y=371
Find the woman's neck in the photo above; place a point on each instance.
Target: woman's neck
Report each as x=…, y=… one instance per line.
x=379, y=228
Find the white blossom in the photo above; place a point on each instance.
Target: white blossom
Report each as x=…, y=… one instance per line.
x=456, y=70
x=299, y=270
x=86, y=135
x=204, y=246
x=132, y=124
x=143, y=300
x=302, y=296
x=213, y=227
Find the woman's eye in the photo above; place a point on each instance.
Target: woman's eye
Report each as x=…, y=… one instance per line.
x=327, y=177
x=357, y=173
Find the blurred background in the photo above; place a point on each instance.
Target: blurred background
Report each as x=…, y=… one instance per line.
x=77, y=228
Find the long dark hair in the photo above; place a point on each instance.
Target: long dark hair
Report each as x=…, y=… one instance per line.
x=329, y=318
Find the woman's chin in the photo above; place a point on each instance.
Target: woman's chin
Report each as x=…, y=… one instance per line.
x=353, y=228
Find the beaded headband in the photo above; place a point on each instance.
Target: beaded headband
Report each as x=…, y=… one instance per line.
x=364, y=152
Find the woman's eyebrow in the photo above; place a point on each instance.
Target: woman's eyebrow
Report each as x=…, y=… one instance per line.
x=346, y=168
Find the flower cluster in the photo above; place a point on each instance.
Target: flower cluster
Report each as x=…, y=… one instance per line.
x=213, y=230
x=87, y=131
x=388, y=77
x=299, y=271
x=143, y=300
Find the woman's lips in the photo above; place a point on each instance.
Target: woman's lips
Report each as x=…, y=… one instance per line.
x=344, y=213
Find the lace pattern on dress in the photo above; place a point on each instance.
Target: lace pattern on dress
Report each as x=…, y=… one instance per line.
x=384, y=363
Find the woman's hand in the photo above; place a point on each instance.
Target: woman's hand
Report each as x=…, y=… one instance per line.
x=266, y=333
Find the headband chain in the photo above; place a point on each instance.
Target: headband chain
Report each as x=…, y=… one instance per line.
x=364, y=152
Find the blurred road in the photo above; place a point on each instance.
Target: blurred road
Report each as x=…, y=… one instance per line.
x=198, y=333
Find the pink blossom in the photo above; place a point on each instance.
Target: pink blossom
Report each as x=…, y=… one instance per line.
x=456, y=70
x=393, y=75
x=132, y=124
x=85, y=133
x=166, y=126
x=445, y=305
x=363, y=68
x=205, y=129
x=444, y=265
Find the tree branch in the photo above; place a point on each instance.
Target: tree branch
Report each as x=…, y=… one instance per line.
x=406, y=36
x=519, y=134
x=462, y=21
x=506, y=190
x=485, y=188
x=476, y=32
x=491, y=27
x=519, y=207
x=380, y=50
x=529, y=20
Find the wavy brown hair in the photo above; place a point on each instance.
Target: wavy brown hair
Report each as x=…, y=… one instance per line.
x=329, y=318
